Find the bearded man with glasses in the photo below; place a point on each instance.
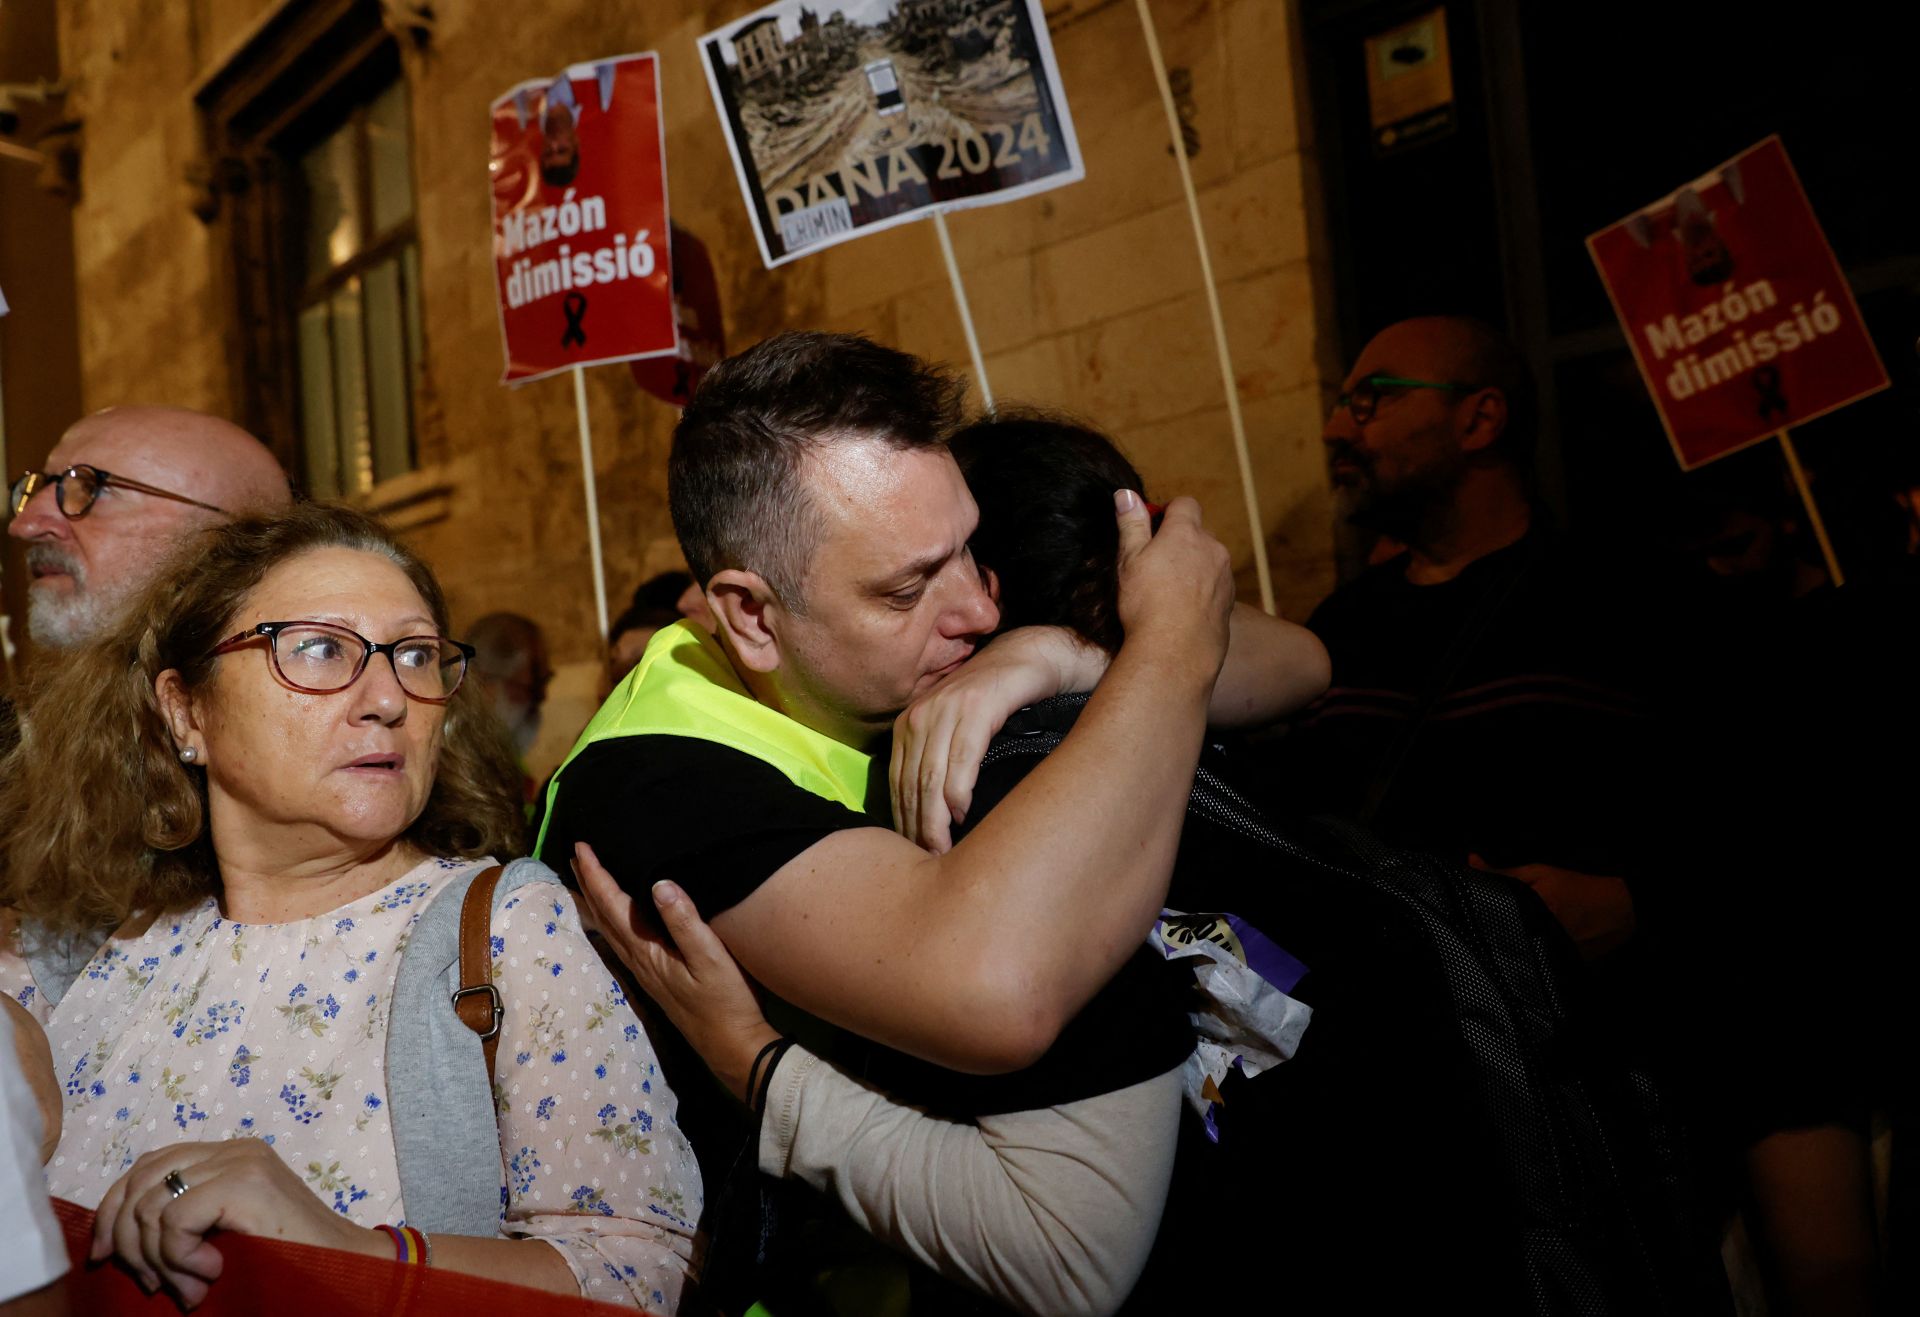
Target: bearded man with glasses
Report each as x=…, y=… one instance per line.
x=115, y=497
x=1503, y=694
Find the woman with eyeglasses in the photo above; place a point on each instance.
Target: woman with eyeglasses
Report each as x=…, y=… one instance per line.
x=235, y=841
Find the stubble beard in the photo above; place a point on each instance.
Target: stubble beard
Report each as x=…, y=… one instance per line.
x=1406, y=508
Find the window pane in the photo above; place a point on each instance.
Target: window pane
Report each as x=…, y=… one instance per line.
x=350, y=391
x=387, y=371
x=410, y=289
x=333, y=202
x=316, y=404
x=389, y=152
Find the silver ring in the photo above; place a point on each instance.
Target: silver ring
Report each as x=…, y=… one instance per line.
x=175, y=1185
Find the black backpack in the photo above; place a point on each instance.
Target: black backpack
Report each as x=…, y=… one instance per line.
x=1586, y=1196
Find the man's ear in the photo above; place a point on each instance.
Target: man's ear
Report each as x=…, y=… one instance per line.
x=747, y=614
x=1486, y=420
x=176, y=706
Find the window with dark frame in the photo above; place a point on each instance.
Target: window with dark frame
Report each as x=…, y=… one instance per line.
x=356, y=306
x=310, y=187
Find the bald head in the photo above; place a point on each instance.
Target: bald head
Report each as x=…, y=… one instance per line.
x=1463, y=350
x=204, y=457
x=87, y=569
x=1436, y=402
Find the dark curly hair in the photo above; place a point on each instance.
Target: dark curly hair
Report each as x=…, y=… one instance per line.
x=99, y=819
x=1045, y=485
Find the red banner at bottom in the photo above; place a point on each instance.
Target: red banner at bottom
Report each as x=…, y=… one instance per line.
x=296, y=1280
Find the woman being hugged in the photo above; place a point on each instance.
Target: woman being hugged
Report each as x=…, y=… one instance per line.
x=221, y=838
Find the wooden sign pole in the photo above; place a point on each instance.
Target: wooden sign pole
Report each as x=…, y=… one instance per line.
x=966, y=311
x=1256, y=527
x=1813, y=510
x=593, y=500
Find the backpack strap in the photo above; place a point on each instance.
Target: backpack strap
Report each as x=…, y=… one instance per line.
x=446, y=1134
x=476, y=1001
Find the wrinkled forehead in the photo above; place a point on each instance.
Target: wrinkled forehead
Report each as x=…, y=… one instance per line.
x=334, y=583
x=881, y=506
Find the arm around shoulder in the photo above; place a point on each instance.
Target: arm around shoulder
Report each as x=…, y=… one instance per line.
x=976, y=958
x=1273, y=668
x=873, y=934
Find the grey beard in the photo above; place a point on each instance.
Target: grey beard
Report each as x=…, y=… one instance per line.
x=69, y=623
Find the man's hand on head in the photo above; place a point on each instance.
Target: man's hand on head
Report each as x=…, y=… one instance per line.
x=940, y=739
x=1176, y=589
x=1176, y=584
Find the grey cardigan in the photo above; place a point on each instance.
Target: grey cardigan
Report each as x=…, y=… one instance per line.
x=446, y=1135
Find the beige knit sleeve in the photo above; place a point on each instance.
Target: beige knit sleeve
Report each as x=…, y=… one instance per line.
x=1048, y=1211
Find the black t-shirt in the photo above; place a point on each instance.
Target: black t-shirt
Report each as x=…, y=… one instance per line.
x=715, y=820
x=1547, y=688
x=720, y=822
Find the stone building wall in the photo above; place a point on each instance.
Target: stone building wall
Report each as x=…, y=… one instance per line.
x=1088, y=297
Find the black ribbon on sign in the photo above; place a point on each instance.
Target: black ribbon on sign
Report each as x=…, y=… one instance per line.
x=575, y=307
x=1766, y=383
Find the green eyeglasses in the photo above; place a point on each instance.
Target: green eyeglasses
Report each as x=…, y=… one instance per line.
x=1361, y=400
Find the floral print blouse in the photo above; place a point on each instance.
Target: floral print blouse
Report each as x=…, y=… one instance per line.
x=201, y=1028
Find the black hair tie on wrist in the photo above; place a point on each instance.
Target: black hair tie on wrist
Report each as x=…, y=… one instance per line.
x=753, y=1071
x=758, y=1100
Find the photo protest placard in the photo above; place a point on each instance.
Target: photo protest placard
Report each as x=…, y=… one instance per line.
x=580, y=238
x=1740, y=318
x=847, y=116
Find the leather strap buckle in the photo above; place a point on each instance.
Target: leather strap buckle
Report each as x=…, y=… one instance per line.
x=499, y=1011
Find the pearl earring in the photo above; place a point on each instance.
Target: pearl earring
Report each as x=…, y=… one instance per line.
x=188, y=755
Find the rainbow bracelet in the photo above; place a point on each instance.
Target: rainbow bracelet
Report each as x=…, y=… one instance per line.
x=410, y=1247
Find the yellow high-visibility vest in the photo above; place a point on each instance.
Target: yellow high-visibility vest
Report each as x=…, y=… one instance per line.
x=684, y=685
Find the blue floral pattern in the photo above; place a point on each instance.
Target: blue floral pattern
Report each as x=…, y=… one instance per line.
x=201, y=1028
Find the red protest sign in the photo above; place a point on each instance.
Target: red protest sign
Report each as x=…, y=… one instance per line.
x=696, y=308
x=580, y=240
x=1739, y=316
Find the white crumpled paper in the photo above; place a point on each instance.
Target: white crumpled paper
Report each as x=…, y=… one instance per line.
x=1248, y=1024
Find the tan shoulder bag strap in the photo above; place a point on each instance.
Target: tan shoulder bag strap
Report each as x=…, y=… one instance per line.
x=477, y=1002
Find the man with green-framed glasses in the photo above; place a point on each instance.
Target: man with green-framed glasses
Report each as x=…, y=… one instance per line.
x=1422, y=427
x=109, y=504
x=1484, y=703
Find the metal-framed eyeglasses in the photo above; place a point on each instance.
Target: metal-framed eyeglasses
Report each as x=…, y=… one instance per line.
x=323, y=657
x=1363, y=398
x=75, y=489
